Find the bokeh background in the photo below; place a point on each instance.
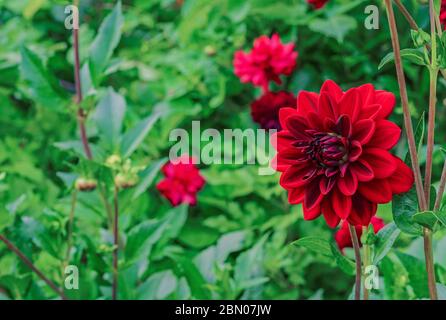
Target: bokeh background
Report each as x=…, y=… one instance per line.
x=177, y=57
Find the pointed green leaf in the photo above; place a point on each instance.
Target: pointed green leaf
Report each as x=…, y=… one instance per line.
x=105, y=42
x=386, y=237
x=109, y=117
x=412, y=55
x=132, y=138
x=315, y=244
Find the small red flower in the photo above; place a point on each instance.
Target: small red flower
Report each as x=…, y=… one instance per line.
x=343, y=238
x=182, y=181
x=267, y=60
x=443, y=13
x=317, y=4
x=265, y=110
x=333, y=152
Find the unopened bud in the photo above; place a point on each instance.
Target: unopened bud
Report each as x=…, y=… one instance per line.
x=85, y=185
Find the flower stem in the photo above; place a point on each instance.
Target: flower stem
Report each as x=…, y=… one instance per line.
x=430, y=133
x=70, y=231
x=433, y=71
x=366, y=255
x=357, y=250
x=441, y=188
x=413, y=24
x=405, y=102
x=430, y=263
x=30, y=265
x=116, y=245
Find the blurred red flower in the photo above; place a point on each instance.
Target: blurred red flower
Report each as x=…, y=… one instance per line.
x=443, y=13
x=265, y=110
x=317, y=4
x=267, y=60
x=343, y=238
x=182, y=181
x=333, y=152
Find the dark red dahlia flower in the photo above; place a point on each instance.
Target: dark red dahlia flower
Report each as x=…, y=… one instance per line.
x=317, y=4
x=333, y=152
x=267, y=60
x=443, y=13
x=343, y=238
x=265, y=110
x=182, y=181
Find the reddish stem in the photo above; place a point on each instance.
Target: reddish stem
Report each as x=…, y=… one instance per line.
x=30, y=265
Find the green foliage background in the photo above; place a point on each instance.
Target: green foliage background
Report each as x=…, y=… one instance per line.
x=175, y=62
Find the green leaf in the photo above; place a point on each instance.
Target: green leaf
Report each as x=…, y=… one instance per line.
x=315, y=244
x=420, y=38
x=196, y=281
x=41, y=84
x=425, y=218
x=413, y=55
x=404, y=207
x=133, y=138
x=335, y=26
x=109, y=117
x=343, y=262
x=386, y=237
x=329, y=250
x=105, y=42
x=416, y=271
x=158, y=286
x=429, y=219
x=147, y=176
x=141, y=238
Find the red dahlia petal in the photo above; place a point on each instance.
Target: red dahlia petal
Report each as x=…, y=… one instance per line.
x=350, y=104
x=348, y=184
x=362, y=211
x=382, y=162
x=297, y=126
x=367, y=94
x=344, y=126
x=282, y=140
x=386, y=135
x=363, y=130
x=307, y=102
x=387, y=100
x=355, y=151
x=327, y=107
x=330, y=216
x=332, y=89
x=402, y=179
x=284, y=114
x=313, y=195
x=296, y=196
x=327, y=184
x=377, y=190
x=297, y=176
x=311, y=214
x=362, y=170
x=370, y=112
x=341, y=204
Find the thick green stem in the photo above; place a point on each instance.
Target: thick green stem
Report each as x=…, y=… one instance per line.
x=116, y=246
x=366, y=254
x=430, y=268
x=357, y=250
x=430, y=131
x=441, y=188
x=70, y=231
x=433, y=70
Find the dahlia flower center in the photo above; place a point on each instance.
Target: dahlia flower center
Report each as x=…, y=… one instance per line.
x=328, y=149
